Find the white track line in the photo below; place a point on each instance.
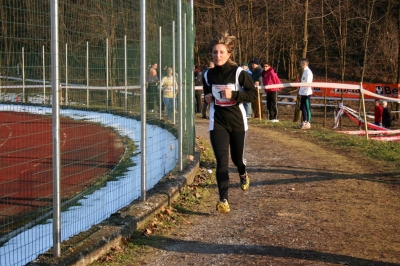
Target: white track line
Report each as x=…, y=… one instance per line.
x=9, y=134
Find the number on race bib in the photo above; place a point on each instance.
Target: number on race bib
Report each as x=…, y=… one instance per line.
x=217, y=93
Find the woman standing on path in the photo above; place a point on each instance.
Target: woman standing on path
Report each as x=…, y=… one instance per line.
x=269, y=77
x=170, y=90
x=226, y=87
x=152, y=83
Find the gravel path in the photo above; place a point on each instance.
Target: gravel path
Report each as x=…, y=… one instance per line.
x=305, y=206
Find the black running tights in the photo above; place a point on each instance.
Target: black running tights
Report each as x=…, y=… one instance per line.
x=221, y=141
x=272, y=98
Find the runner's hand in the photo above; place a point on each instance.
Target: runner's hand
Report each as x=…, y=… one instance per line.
x=226, y=94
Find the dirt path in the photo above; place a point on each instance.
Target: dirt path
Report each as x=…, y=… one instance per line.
x=305, y=206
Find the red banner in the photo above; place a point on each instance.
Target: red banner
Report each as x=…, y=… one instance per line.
x=388, y=90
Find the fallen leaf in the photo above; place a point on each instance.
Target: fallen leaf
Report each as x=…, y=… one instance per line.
x=108, y=258
x=116, y=248
x=153, y=225
x=124, y=241
x=147, y=231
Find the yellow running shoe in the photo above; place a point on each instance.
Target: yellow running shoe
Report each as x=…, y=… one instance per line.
x=223, y=206
x=244, y=181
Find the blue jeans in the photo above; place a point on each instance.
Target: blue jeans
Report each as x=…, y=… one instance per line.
x=169, y=105
x=247, y=107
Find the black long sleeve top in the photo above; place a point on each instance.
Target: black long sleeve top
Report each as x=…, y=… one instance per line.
x=231, y=118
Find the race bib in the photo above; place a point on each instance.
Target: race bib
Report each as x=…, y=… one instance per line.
x=216, y=92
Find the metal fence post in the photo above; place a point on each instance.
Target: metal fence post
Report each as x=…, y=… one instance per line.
x=143, y=97
x=55, y=131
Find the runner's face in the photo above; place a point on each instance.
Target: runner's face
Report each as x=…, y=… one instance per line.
x=220, y=54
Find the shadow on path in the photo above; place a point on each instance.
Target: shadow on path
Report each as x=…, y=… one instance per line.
x=312, y=175
x=183, y=246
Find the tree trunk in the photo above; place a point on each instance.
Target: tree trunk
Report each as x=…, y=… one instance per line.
x=398, y=58
x=343, y=45
x=370, y=11
x=366, y=37
x=251, y=27
x=343, y=19
x=267, y=34
x=325, y=57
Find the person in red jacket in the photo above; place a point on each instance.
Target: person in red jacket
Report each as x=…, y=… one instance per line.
x=378, y=111
x=269, y=77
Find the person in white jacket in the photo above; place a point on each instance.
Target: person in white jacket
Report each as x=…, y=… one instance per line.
x=305, y=93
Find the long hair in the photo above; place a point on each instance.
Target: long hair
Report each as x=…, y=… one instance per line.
x=228, y=40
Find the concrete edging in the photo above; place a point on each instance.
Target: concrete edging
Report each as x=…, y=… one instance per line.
x=111, y=232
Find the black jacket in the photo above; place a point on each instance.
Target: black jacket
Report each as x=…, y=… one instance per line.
x=386, y=117
x=229, y=118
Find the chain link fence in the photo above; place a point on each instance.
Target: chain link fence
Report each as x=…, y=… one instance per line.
x=81, y=133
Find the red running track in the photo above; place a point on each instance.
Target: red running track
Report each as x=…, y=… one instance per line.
x=88, y=151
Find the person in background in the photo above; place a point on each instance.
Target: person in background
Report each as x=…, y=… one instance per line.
x=257, y=79
x=168, y=83
x=378, y=111
x=246, y=68
x=198, y=81
x=386, y=115
x=247, y=106
x=152, y=83
x=269, y=77
x=205, y=104
x=305, y=92
x=164, y=72
x=226, y=87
